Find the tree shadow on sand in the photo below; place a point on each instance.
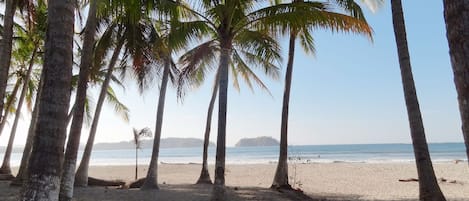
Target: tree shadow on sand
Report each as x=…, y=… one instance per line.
x=181, y=192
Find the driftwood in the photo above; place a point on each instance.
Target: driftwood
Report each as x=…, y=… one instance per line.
x=138, y=183
x=440, y=180
x=408, y=180
x=4, y=177
x=101, y=182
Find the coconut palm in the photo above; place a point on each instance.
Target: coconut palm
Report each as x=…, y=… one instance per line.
x=138, y=135
x=28, y=47
x=6, y=41
x=236, y=24
x=197, y=62
x=25, y=79
x=6, y=46
x=328, y=18
x=456, y=13
x=22, y=170
x=47, y=154
x=167, y=37
x=81, y=177
x=428, y=185
x=68, y=175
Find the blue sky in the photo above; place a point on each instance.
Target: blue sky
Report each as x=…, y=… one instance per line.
x=349, y=92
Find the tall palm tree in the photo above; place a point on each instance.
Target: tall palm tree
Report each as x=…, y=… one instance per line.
x=45, y=163
x=457, y=27
x=68, y=175
x=6, y=47
x=127, y=31
x=25, y=78
x=22, y=170
x=167, y=38
x=237, y=24
x=197, y=62
x=81, y=177
x=428, y=185
x=327, y=18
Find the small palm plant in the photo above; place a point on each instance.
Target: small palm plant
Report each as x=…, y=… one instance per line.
x=138, y=135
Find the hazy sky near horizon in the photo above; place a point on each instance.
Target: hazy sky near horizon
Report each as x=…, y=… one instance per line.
x=349, y=92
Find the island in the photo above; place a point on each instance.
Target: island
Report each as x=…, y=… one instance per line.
x=148, y=143
x=257, y=142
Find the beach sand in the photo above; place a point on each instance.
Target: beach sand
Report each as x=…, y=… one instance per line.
x=335, y=181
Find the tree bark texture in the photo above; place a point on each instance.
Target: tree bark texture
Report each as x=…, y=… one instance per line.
x=46, y=159
x=428, y=185
x=457, y=33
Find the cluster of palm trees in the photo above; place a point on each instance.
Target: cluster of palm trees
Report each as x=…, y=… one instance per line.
x=177, y=42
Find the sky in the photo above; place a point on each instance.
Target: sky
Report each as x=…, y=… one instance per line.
x=349, y=92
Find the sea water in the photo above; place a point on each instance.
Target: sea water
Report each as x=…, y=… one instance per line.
x=354, y=153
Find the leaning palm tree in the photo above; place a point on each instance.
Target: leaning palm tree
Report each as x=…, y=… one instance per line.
x=428, y=185
x=26, y=57
x=68, y=173
x=328, y=18
x=6, y=46
x=47, y=154
x=6, y=42
x=167, y=37
x=456, y=15
x=138, y=135
x=125, y=31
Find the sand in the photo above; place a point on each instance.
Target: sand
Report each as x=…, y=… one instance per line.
x=336, y=181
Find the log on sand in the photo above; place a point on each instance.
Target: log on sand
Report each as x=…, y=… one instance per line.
x=101, y=182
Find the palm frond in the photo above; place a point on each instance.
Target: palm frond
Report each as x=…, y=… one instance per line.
x=119, y=107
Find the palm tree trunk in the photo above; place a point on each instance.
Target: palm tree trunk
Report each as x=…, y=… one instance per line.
x=23, y=169
x=204, y=174
x=5, y=48
x=81, y=177
x=429, y=189
x=68, y=174
x=219, y=187
x=9, y=104
x=45, y=163
x=6, y=169
x=151, y=181
x=281, y=174
x=457, y=29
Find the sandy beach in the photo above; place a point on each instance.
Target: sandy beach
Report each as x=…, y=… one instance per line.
x=334, y=181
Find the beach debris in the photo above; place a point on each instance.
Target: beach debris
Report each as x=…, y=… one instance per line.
x=447, y=181
x=408, y=180
x=457, y=161
x=101, y=182
x=137, y=184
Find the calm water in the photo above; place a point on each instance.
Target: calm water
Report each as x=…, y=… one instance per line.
x=364, y=153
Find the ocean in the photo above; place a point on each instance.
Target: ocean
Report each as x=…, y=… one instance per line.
x=354, y=153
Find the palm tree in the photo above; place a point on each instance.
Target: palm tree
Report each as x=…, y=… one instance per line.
x=326, y=18
x=81, y=176
x=167, y=37
x=456, y=13
x=22, y=170
x=196, y=63
x=6, y=47
x=68, y=175
x=138, y=135
x=429, y=189
x=237, y=25
x=45, y=162
x=25, y=78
